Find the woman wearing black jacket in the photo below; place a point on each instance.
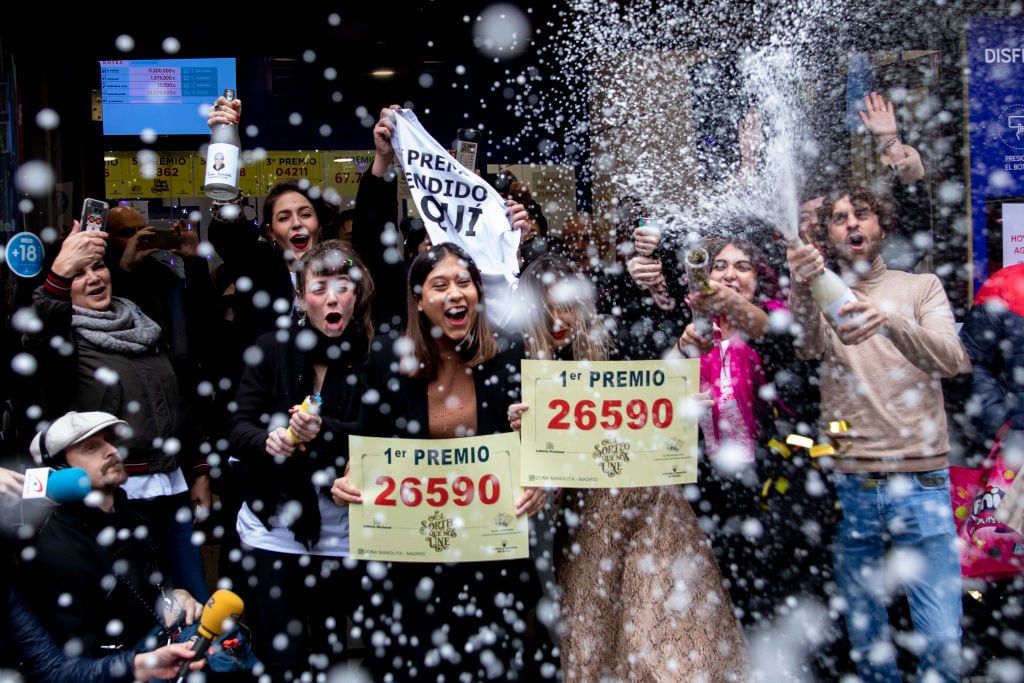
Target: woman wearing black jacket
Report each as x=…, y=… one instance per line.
x=294, y=536
x=449, y=377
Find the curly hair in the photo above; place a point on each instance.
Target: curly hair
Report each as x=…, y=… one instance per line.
x=879, y=201
x=768, y=287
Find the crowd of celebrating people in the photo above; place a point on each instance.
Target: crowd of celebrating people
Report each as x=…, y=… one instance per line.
x=186, y=403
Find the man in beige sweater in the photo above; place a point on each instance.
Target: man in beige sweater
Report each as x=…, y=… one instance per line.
x=880, y=373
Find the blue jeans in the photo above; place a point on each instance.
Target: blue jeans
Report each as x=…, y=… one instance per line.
x=897, y=533
x=173, y=540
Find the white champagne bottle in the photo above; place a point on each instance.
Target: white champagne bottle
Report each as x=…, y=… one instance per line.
x=223, y=159
x=830, y=292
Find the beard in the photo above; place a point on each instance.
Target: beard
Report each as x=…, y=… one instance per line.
x=859, y=260
x=113, y=473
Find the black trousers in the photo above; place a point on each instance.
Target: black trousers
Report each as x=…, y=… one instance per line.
x=298, y=607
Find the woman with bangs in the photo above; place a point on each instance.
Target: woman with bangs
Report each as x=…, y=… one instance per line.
x=637, y=578
x=767, y=507
x=294, y=537
x=449, y=376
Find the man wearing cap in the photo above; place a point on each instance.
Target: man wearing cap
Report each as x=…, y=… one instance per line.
x=99, y=351
x=90, y=574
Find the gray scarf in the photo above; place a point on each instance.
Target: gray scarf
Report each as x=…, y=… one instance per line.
x=123, y=327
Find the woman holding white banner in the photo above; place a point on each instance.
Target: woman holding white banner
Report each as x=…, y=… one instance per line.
x=449, y=376
x=638, y=580
x=454, y=203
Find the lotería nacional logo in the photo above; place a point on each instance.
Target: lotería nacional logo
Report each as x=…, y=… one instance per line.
x=439, y=531
x=503, y=520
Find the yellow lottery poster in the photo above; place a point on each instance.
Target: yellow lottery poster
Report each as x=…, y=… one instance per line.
x=437, y=500
x=278, y=166
x=344, y=169
x=114, y=174
x=609, y=424
x=160, y=174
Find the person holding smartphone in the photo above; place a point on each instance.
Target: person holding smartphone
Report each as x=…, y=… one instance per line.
x=122, y=361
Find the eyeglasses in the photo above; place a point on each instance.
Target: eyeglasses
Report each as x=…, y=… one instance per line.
x=861, y=213
x=741, y=266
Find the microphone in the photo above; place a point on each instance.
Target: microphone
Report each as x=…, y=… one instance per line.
x=222, y=610
x=68, y=485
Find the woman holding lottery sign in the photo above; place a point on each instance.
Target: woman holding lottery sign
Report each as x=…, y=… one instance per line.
x=449, y=376
x=638, y=581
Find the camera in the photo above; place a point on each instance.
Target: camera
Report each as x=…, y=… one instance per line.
x=166, y=236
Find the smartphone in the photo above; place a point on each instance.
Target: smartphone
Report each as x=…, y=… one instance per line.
x=165, y=237
x=466, y=147
x=94, y=214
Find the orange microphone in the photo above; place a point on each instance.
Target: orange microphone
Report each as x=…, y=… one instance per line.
x=222, y=612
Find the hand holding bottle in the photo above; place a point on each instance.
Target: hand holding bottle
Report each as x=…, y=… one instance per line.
x=645, y=271
x=804, y=260
x=305, y=421
x=224, y=153
x=646, y=237
x=224, y=111
x=807, y=269
x=862, y=319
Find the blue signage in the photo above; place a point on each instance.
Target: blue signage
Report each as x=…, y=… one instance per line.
x=996, y=124
x=25, y=254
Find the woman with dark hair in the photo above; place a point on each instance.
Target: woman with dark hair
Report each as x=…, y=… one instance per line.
x=259, y=282
x=768, y=508
x=637, y=578
x=260, y=260
x=449, y=376
x=294, y=536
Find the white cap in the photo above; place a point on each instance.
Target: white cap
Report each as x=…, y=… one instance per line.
x=69, y=429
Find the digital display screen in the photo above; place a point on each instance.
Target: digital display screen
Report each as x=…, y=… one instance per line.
x=165, y=96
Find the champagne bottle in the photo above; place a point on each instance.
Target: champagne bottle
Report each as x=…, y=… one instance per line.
x=698, y=264
x=223, y=158
x=830, y=292
x=311, y=404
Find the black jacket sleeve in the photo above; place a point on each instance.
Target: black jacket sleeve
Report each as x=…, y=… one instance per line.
x=379, y=242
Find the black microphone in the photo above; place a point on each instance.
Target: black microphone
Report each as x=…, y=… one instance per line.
x=222, y=611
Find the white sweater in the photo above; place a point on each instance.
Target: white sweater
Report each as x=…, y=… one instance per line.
x=888, y=388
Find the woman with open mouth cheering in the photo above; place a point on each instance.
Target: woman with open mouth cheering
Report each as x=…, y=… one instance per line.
x=449, y=376
x=295, y=402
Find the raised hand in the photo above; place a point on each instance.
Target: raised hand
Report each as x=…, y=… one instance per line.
x=879, y=117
